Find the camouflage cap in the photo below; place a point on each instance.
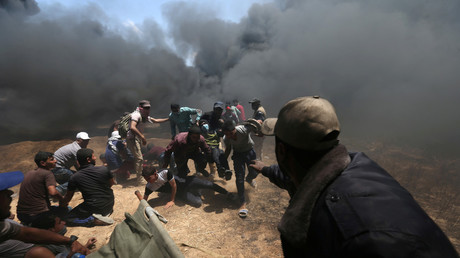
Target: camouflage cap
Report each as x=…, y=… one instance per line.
x=305, y=122
x=254, y=123
x=268, y=126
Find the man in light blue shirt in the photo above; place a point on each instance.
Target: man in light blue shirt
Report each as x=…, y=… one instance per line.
x=182, y=118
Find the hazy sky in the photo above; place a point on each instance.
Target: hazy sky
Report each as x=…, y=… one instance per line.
x=390, y=67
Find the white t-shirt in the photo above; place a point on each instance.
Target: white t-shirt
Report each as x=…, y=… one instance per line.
x=136, y=116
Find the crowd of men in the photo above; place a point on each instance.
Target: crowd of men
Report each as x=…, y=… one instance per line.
x=342, y=204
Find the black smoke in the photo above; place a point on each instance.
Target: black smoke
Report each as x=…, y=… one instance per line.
x=389, y=67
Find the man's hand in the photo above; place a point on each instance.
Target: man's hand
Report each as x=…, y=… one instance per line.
x=144, y=141
x=257, y=165
x=76, y=247
x=91, y=243
x=169, y=204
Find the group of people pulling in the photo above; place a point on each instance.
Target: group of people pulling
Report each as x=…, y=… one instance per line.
x=342, y=203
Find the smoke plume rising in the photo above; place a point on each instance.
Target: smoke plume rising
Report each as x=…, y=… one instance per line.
x=389, y=67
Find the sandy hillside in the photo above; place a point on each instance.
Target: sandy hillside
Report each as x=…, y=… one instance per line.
x=215, y=229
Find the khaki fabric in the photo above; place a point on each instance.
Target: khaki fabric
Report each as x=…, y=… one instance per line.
x=137, y=236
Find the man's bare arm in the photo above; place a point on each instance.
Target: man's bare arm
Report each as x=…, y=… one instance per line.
x=41, y=236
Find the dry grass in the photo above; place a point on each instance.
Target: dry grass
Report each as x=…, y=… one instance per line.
x=215, y=230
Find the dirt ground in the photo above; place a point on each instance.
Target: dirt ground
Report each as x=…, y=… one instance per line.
x=215, y=230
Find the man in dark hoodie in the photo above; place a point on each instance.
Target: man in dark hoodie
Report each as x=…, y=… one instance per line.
x=342, y=204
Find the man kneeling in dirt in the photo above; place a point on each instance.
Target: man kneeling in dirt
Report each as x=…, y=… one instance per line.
x=95, y=184
x=187, y=189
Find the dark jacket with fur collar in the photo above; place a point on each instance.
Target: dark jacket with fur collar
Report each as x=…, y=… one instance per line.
x=360, y=212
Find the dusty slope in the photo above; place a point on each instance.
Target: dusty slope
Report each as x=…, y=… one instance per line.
x=215, y=229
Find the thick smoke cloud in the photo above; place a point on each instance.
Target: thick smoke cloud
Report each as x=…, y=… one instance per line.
x=74, y=73
x=389, y=67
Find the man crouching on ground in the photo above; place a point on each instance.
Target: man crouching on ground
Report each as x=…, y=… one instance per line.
x=187, y=189
x=95, y=184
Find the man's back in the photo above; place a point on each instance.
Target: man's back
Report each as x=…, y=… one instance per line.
x=33, y=194
x=94, y=184
x=366, y=213
x=66, y=155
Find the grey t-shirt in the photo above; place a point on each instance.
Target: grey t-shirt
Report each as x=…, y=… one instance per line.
x=66, y=156
x=10, y=247
x=243, y=142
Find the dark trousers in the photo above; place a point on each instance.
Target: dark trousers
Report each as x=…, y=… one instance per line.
x=62, y=176
x=241, y=160
x=218, y=157
x=198, y=158
x=189, y=190
x=34, y=220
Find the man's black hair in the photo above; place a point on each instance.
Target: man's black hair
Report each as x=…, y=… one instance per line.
x=148, y=171
x=42, y=156
x=175, y=106
x=194, y=129
x=83, y=155
x=228, y=126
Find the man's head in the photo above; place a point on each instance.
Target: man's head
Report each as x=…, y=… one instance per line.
x=228, y=128
x=144, y=108
x=149, y=173
x=82, y=139
x=175, y=108
x=86, y=156
x=218, y=108
x=45, y=160
x=255, y=103
x=305, y=130
x=50, y=221
x=194, y=133
x=7, y=180
x=308, y=123
x=236, y=102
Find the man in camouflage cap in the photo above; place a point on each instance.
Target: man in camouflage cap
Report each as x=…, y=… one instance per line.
x=342, y=204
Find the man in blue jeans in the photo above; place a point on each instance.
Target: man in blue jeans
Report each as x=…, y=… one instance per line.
x=66, y=158
x=238, y=139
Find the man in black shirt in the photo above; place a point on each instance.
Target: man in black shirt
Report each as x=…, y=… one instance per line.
x=95, y=185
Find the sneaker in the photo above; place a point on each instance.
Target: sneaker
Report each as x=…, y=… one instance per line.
x=105, y=219
x=228, y=175
x=253, y=183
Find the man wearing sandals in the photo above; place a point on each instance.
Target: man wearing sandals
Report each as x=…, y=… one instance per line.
x=342, y=203
x=237, y=139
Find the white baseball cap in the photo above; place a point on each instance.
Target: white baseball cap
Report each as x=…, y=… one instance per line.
x=115, y=134
x=83, y=136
